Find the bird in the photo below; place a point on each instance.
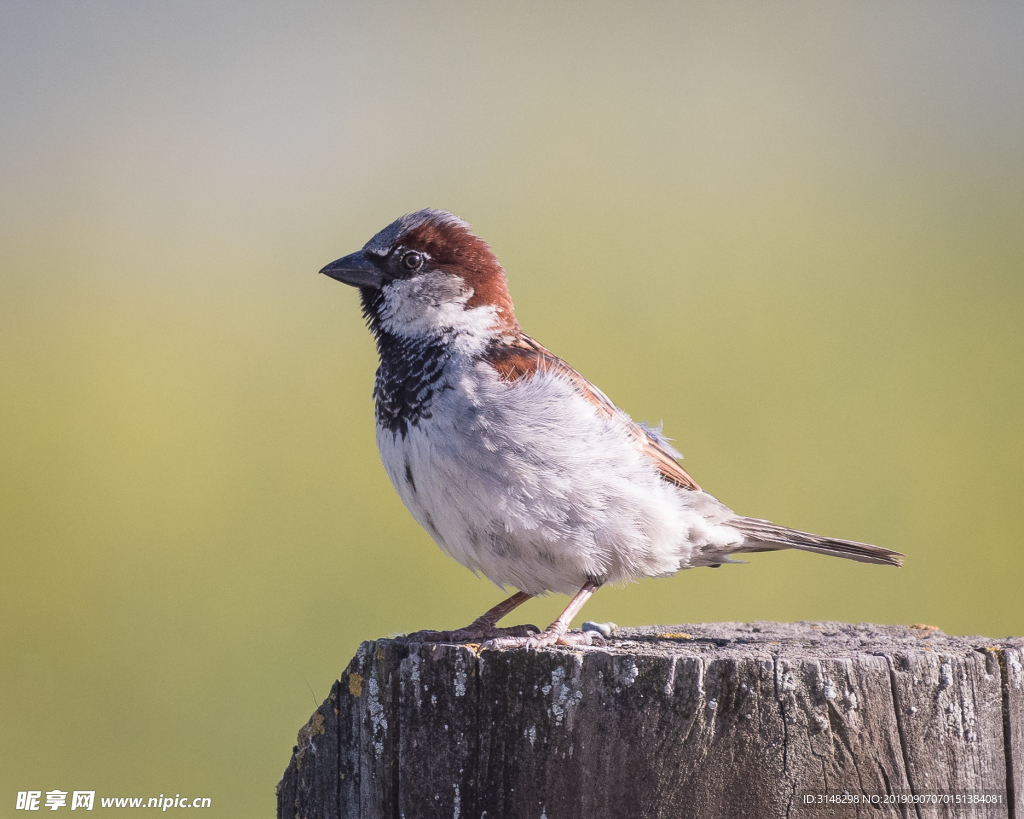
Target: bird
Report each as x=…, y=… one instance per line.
x=516, y=465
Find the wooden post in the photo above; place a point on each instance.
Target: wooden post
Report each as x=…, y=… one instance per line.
x=715, y=720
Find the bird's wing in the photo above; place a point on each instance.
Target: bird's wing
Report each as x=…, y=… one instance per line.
x=523, y=357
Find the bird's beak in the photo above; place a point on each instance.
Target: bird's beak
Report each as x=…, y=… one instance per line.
x=356, y=270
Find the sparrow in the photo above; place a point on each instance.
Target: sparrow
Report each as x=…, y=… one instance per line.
x=516, y=465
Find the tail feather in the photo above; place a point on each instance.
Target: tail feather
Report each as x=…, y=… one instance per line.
x=764, y=536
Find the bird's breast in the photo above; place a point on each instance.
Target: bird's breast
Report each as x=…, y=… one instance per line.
x=526, y=483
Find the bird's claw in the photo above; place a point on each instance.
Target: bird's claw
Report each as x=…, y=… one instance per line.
x=473, y=634
x=547, y=638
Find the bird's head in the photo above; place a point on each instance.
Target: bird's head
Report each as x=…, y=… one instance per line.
x=426, y=276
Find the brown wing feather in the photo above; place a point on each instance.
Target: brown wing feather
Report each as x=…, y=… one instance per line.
x=523, y=356
x=668, y=466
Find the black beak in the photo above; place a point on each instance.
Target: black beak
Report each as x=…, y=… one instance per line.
x=356, y=270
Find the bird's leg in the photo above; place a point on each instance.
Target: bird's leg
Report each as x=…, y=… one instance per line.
x=490, y=618
x=556, y=633
x=483, y=628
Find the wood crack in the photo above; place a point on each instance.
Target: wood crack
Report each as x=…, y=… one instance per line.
x=1008, y=750
x=908, y=768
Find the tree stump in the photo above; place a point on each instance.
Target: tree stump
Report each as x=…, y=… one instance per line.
x=713, y=720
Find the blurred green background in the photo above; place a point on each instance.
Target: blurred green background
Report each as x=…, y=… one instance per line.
x=792, y=232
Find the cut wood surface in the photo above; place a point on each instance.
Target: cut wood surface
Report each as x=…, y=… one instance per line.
x=711, y=720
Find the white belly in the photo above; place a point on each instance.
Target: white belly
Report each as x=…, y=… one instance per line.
x=525, y=484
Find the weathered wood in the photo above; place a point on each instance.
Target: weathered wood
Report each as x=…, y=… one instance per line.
x=715, y=720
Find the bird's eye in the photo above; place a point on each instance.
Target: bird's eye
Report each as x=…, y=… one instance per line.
x=412, y=260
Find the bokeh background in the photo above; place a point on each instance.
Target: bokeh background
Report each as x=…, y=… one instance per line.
x=792, y=232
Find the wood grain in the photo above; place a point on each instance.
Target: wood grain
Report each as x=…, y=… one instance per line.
x=705, y=720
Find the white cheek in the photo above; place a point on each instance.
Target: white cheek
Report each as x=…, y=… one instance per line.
x=434, y=304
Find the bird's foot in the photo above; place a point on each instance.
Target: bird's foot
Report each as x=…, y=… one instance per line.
x=473, y=634
x=548, y=637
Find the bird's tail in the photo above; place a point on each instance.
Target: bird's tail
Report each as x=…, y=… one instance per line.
x=763, y=536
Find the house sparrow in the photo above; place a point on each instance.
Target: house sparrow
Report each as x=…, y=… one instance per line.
x=517, y=466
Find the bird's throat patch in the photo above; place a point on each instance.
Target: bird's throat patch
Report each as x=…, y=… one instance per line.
x=409, y=376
